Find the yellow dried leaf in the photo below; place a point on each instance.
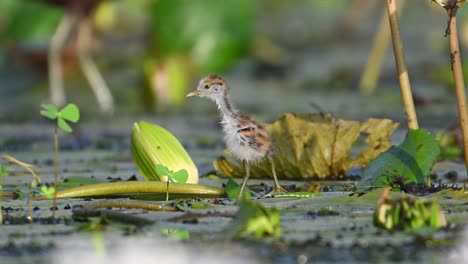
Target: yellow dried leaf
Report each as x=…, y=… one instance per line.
x=315, y=145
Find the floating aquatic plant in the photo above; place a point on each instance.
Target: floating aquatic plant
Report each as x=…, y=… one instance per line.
x=407, y=213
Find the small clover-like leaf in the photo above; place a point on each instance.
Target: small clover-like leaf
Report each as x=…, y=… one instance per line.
x=163, y=171
x=64, y=125
x=48, y=191
x=180, y=176
x=71, y=113
x=50, y=111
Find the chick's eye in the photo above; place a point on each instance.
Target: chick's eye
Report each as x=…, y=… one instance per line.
x=206, y=86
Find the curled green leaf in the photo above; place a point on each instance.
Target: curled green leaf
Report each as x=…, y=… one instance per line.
x=152, y=145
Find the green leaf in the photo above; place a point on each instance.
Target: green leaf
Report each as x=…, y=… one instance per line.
x=180, y=176
x=50, y=111
x=213, y=33
x=48, y=191
x=177, y=233
x=254, y=220
x=412, y=160
x=71, y=113
x=63, y=125
x=152, y=145
x=30, y=22
x=163, y=170
x=233, y=188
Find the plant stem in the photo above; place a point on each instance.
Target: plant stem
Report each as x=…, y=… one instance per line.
x=26, y=166
x=30, y=203
x=370, y=75
x=167, y=191
x=55, y=169
x=458, y=77
x=1, y=199
x=135, y=188
x=403, y=76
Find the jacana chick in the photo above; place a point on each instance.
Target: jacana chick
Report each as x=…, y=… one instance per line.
x=245, y=137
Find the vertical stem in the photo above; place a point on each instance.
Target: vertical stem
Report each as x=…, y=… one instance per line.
x=167, y=191
x=458, y=77
x=55, y=170
x=370, y=75
x=1, y=199
x=405, y=85
x=30, y=203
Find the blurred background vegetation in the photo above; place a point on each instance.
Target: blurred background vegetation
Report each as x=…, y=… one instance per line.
x=152, y=52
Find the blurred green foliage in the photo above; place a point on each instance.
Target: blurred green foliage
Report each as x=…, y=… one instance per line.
x=184, y=38
x=213, y=33
x=27, y=21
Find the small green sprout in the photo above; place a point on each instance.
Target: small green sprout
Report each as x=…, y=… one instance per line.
x=48, y=191
x=180, y=176
x=69, y=113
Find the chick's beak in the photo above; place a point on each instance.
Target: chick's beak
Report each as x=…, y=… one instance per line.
x=194, y=93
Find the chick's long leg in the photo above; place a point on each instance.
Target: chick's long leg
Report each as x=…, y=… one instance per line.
x=90, y=70
x=56, y=46
x=246, y=178
x=277, y=189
